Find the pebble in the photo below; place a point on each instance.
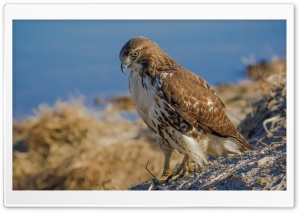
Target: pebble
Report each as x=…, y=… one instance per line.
x=265, y=160
x=261, y=181
x=211, y=177
x=261, y=153
x=188, y=185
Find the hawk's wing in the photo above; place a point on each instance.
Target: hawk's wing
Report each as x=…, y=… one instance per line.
x=198, y=104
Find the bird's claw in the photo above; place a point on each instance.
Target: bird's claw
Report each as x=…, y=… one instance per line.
x=184, y=171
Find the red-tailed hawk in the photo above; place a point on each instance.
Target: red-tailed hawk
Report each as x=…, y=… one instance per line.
x=180, y=107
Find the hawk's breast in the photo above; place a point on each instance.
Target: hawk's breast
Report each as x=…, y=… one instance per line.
x=157, y=113
x=145, y=95
x=161, y=117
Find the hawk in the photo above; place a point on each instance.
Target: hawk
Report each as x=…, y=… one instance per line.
x=180, y=107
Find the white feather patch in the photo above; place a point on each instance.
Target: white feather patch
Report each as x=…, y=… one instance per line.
x=188, y=145
x=165, y=75
x=219, y=144
x=210, y=102
x=197, y=153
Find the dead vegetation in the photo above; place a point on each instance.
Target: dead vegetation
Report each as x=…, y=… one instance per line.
x=71, y=147
x=267, y=119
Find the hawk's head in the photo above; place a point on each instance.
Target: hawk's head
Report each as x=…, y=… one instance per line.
x=136, y=52
x=143, y=54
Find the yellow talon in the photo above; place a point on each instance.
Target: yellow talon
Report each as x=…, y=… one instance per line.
x=164, y=178
x=184, y=169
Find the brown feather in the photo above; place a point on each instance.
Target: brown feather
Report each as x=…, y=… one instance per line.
x=188, y=94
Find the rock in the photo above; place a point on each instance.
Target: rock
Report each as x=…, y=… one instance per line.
x=264, y=160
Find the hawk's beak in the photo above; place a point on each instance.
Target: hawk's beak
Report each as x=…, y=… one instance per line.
x=124, y=66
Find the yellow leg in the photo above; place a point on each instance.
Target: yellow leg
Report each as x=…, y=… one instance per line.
x=167, y=150
x=184, y=168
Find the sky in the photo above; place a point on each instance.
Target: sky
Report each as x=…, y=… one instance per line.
x=56, y=59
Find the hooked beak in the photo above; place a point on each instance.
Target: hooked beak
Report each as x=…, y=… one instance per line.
x=124, y=66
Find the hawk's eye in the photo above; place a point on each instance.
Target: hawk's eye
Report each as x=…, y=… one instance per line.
x=135, y=54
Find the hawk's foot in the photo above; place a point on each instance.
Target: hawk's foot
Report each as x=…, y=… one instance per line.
x=184, y=170
x=165, y=177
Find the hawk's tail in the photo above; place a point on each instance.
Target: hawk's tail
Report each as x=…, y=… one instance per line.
x=241, y=141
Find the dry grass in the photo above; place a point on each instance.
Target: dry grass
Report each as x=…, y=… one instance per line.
x=71, y=147
x=267, y=118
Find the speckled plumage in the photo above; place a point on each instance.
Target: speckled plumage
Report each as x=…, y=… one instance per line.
x=180, y=107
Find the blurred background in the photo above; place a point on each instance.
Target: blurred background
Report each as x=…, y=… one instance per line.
x=53, y=60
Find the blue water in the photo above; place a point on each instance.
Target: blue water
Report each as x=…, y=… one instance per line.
x=58, y=59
